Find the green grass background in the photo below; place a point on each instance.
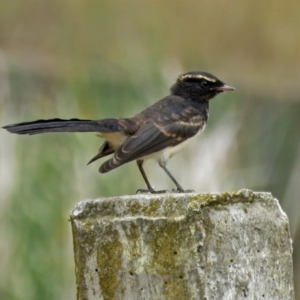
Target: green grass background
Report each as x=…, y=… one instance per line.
x=98, y=59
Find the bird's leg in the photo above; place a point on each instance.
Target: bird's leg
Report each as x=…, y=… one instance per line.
x=150, y=188
x=179, y=188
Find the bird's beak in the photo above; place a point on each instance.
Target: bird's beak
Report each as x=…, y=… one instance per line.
x=224, y=88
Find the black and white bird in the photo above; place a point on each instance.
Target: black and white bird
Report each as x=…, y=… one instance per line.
x=158, y=132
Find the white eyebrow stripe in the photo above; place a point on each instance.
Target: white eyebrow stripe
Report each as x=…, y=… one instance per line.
x=186, y=76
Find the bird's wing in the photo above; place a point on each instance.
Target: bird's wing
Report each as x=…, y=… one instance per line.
x=150, y=138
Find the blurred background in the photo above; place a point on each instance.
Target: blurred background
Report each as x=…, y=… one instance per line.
x=101, y=59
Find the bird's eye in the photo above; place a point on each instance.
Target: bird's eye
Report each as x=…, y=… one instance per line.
x=204, y=84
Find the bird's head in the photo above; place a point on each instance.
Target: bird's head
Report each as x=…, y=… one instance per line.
x=199, y=86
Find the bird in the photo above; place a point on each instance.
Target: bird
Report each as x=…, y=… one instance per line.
x=158, y=132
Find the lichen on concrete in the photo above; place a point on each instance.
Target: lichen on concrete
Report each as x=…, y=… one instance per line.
x=183, y=246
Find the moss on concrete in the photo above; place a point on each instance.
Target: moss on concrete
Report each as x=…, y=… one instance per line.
x=179, y=246
x=109, y=262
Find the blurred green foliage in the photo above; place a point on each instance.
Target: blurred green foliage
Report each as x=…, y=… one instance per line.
x=98, y=59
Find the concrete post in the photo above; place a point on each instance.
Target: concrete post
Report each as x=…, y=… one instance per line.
x=233, y=245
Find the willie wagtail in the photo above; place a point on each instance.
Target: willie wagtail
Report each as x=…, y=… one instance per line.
x=158, y=132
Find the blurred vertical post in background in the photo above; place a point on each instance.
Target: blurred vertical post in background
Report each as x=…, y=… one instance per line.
x=111, y=59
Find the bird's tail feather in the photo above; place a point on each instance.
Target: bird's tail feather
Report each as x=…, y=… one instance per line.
x=59, y=125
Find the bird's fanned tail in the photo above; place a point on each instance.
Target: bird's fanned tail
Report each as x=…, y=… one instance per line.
x=60, y=125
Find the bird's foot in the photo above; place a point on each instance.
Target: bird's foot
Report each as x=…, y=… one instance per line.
x=151, y=191
x=182, y=191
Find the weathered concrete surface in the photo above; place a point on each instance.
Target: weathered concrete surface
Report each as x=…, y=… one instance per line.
x=183, y=246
